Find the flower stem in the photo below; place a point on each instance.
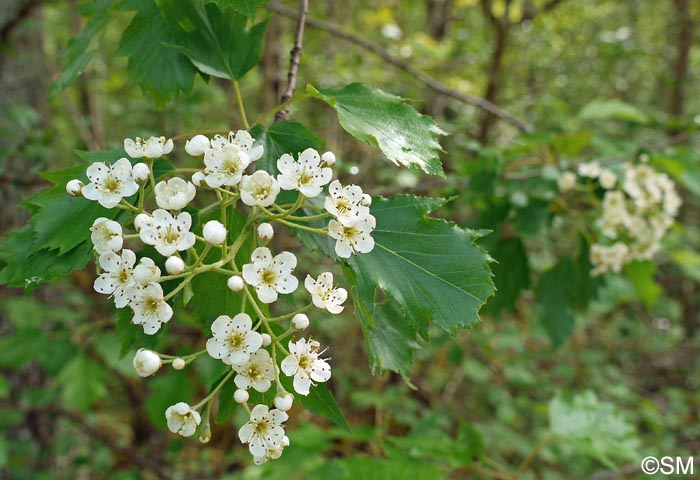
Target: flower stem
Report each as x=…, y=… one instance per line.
x=215, y=390
x=281, y=106
x=241, y=108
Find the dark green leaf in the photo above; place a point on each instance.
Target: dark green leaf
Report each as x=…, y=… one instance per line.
x=244, y=7
x=511, y=274
x=160, y=71
x=82, y=383
x=217, y=43
x=377, y=118
x=641, y=274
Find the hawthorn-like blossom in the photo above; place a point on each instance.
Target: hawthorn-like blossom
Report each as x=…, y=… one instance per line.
x=346, y=203
x=352, y=240
x=324, y=294
x=110, y=183
x=243, y=140
x=607, y=178
x=590, y=169
x=182, y=419
x=306, y=174
x=258, y=372
x=146, y=362
x=224, y=166
x=167, y=233
x=150, y=309
x=305, y=365
x=174, y=194
x=234, y=339
x=117, y=279
x=146, y=272
x=567, y=181
x=260, y=188
x=106, y=235
x=272, y=453
x=264, y=431
x=154, y=147
x=271, y=276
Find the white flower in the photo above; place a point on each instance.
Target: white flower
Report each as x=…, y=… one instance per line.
x=110, y=183
x=345, y=203
x=150, y=310
x=198, y=178
x=234, y=339
x=270, y=276
x=258, y=372
x=264, y=431
x=146, y=362
x=141, y=173
x=182, y=419
x=174, y=194
x=174, y=265
x=304, y=364
x=566, y=181
x=214, y=232
x=259, y=189
x=167, y=233
x=117, y=278
x=607, y=179
x=306, y=175
x=272, y=453
x=609, y=258
x=146, y=272
x=356, y=239
x=590, y=169
x=106, y=235
x=242, y=140
x=197, y=145
x=74, y=187
x=154, y=147
x=324, y=294
x=225, y=165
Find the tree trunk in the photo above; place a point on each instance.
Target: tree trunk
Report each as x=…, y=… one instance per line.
x=494, y=85
x=684, y=23
x=439, y=13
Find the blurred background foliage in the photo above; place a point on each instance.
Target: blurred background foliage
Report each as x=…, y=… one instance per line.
x=513, y=397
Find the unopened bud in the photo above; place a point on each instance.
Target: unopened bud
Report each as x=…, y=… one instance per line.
x=265, y=232
x=300, y=321
x=214, y=232
x=179, y=363
x=141, y=173
x=74, y=188
x=174, y=265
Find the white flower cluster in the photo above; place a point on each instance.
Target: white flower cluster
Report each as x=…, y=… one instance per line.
x=638, y=208
x=245, y=344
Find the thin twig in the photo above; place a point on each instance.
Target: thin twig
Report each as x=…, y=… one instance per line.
x=426, y=79
x=294, y=58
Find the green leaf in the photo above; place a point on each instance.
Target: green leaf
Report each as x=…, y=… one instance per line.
x=167, y=389
x=282, y=137
x=688, y=261
x=594, y=428
x=641, y=275
x=131, y=337
x=562, y=288
x=143, y=42
x=227, y=405
x=82, y=46
x=244, y=7
x=320, y=401
x=430, y=267
x=511, y=274
x=613, y=110
x=377, y=118
x=371, y=468
x=83, y=383
x=217, y=43
x=682, y=166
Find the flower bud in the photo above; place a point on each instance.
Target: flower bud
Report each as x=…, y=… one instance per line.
x=214, y=232
x=179, y=364
x=240, y=396
x=146, y=272
x=284, y=401
x=266, y=339
x=198, y=178
x=265, y=232
x=366, y=200
x=142, y=220
x=205, y=431
x=235, y=283
x=328, y=158
x=140, y=173
x=197, y=145
x=174, y=265
x=300, y=321
x=74, y=188
x=146, y=362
